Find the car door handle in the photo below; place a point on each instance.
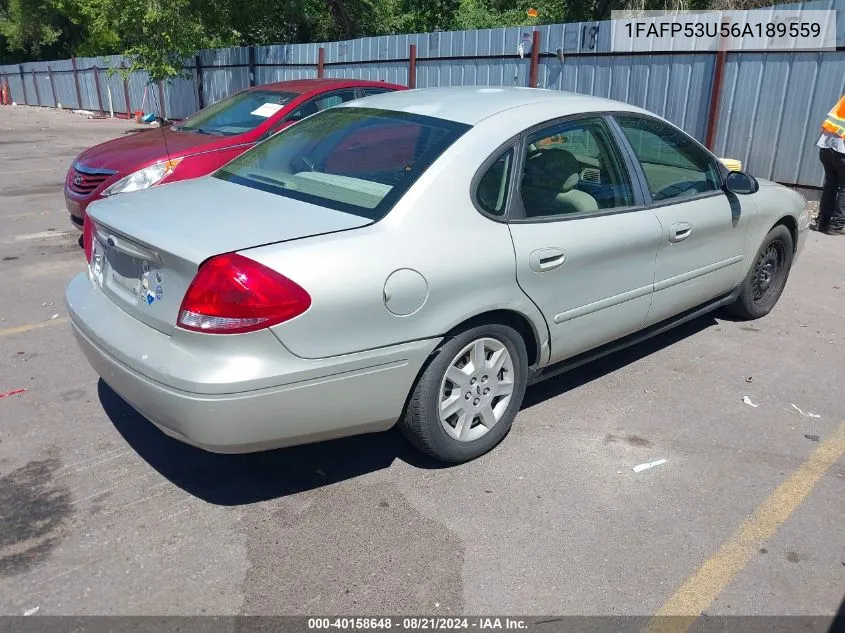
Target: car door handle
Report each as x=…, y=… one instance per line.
x=545, y=259
x=680, y=231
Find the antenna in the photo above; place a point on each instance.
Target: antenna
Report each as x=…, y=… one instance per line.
x=159, y=95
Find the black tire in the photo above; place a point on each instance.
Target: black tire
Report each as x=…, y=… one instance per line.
x=756, y=299
x=421, y=424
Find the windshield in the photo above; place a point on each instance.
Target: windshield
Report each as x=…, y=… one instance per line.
x=357, y=160
x=237, y=114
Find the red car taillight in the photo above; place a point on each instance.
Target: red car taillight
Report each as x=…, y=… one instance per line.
x=88, y=237
x=233, y=294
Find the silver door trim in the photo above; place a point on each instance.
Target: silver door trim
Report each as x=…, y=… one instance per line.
x=601, y=304
x=698, y=272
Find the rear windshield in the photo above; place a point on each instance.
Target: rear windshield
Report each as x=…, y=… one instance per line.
x=237, y=114
x=357, y=160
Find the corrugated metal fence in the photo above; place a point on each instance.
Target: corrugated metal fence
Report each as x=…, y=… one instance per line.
x=768, y=111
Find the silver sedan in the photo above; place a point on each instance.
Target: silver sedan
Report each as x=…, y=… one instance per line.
x=418, y=257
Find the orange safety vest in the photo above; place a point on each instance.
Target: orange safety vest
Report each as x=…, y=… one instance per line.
x=835, y=121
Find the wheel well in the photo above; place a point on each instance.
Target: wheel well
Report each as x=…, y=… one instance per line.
x=789, y=222
x=517, y=321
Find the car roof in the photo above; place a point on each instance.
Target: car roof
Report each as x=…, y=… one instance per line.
x=302, y=86
x=472, y=104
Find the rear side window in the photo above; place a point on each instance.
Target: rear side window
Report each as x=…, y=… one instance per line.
x=357, y=160
x=673, y=164
x=492, y=191
x=573, y=168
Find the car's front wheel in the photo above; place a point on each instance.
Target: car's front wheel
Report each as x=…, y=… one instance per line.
x=762, y=287
x=467, y=397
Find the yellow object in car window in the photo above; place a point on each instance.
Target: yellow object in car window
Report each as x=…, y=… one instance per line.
x=732, y=164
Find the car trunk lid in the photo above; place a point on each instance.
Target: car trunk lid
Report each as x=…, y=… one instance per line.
x=149, y=244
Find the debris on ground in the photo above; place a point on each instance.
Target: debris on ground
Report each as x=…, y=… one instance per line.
x=812, y=438
x=54, y=317
x=747, y=401
x=13, y=392
x=807, y=414
x=641, y=467
x=31, y=611
x=749, y=379
x=85, y=112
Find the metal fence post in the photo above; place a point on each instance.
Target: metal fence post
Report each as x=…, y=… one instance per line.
x=412, y=66
x=23, y=85
x=535, y=55
x=35, y=85
x=198, y=80
x=251, y=65
x=52, y=85
x=126, y=90
x=76, y=83
x=97, y=86
x=716, y=90
x=321, y=60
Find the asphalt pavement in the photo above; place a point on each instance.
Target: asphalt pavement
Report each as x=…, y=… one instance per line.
x=102, y=514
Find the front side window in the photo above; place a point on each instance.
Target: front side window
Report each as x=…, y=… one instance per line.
x=573, y=168
x=673, y=164
x=236, y=114
x=357, y=160
x=368, y=92
x=318, y=104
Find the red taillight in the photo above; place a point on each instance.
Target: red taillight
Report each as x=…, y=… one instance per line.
x=88, y=237
x=232, y=294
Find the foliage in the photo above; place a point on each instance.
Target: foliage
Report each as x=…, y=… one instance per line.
x=159, y=34
x=35, y=28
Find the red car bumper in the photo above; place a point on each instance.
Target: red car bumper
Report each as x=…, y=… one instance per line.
x=83, y=186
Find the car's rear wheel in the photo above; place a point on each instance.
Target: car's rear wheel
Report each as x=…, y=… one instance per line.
x=467, y=397
x=764, y=284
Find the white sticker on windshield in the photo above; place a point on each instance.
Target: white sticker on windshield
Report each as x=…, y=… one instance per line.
x=267, y=110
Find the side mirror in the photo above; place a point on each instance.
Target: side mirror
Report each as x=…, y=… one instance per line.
x=741, y=183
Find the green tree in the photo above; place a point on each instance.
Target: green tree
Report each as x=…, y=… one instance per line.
x=36, y=29
x=157, y=35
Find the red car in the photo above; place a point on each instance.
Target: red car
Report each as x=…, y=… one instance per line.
x=203, y=142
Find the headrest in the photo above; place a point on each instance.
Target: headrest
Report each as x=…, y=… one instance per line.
x=554, y=168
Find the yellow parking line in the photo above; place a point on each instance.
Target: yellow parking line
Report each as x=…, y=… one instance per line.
x=20, y=329
x=717, y=572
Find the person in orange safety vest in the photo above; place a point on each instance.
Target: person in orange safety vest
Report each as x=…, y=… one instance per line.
x=831, y=144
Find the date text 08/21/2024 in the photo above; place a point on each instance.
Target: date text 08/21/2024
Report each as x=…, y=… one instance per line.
x=415, y=624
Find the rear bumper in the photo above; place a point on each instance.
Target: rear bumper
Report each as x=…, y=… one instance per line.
x=283, y=399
